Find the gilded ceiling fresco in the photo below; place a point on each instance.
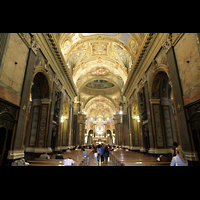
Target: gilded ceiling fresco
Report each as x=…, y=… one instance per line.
x=100, y=84
x=99, y=64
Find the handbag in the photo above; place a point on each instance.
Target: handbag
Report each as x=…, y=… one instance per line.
x=108, y=159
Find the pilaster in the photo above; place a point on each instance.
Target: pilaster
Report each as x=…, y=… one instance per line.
x=17, y=151
x=181, y=117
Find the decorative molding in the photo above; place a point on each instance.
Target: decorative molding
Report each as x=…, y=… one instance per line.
x=168, y=42
x=154, y=65
x=26, y=38
x=56, y=49
x=34, y=44
x=140, y=56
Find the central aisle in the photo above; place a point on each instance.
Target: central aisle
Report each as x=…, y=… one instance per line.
x=95, y=163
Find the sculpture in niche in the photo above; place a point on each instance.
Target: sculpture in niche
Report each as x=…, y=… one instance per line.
x=54, y=136
x=57, y=107
x=146, y=137
x=142, y=105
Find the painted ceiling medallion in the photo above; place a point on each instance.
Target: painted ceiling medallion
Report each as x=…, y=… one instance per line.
x=100, y=71
x=100, y=84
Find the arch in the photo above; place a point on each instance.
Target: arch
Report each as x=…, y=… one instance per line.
x=91, y=101
x=7, y=116
x=40, y=88
x=164, y=124
x=115, y=66
x=155, y=71
x=158, y=81
x=37, y=128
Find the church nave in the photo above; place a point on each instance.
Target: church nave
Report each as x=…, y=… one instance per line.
x=139, y=91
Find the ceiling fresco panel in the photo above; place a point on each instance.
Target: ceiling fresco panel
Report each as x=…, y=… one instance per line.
x=99, y=64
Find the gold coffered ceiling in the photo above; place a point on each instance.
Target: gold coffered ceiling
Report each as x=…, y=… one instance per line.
x=99, y=64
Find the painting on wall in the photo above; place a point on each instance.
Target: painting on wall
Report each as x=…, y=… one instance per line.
x=100, y=84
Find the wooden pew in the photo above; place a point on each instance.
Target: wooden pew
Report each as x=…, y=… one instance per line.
x=145, y=163
x=76, y=155
x=129, y=158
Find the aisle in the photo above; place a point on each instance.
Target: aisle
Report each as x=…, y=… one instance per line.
x=95, y=163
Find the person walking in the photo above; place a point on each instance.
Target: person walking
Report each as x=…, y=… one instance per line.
x=106, y=153
x=98, y=152
x=102, y=156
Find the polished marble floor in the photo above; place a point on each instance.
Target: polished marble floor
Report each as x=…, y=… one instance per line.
x=92, y=162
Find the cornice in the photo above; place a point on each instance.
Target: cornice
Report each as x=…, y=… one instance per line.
x=140, y=55
x=59, y=57
x=151, y=51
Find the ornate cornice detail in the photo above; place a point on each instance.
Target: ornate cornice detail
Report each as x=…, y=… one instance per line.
x=60, y=59
x=168, y=42
x=139, y=58
x=34, y=44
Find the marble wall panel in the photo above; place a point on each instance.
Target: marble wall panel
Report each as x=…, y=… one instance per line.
x=159, y=137
x=12, y=73
x=135, y=132
x=168, y=129
x=188, y=61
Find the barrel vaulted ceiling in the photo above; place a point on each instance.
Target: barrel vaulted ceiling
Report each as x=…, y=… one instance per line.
x=99, y=64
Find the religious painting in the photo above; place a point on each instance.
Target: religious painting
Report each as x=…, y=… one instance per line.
x=100, y=84
x=100, y=71
x=124, y=57
x=99, y=48
x=75, y=57
x=116, y=99
x=65, y=47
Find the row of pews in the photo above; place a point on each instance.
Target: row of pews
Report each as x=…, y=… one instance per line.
x=130, y=158
x=76, y=155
